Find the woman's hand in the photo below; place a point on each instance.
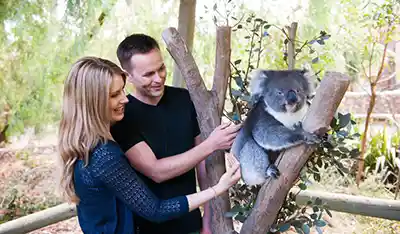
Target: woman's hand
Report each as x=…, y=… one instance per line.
x=231, y=176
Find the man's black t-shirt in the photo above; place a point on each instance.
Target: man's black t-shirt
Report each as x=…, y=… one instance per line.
x=169, y=128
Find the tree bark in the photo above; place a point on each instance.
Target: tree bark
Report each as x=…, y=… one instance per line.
x=186, y=22
x=208, y=105
x=292, y=30
x=222, y=65
x=273, y=193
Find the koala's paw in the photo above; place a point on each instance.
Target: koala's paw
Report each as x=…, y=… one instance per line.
x=311, y=138
x=298, y=126
x=272, y=171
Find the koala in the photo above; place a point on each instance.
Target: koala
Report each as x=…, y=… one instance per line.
x=274, y=122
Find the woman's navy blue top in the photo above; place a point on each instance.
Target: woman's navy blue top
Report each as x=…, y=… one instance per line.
x=110, y=192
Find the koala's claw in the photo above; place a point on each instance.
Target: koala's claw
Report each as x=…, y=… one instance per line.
x=311, y=138
x=272, y=171
x=298, y=125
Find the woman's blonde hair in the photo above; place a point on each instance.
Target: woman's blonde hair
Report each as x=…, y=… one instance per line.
x=85, y=118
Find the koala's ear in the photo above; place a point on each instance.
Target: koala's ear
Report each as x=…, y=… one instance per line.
x=309, y=84
x=257, y=84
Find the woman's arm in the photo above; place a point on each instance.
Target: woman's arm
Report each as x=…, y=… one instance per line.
x=110, y=166
x=113, y=169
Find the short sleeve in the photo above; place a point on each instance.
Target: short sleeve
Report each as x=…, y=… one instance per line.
x=111, y=167
x=126, y=134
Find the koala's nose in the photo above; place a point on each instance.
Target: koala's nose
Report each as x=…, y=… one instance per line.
x=291, y=97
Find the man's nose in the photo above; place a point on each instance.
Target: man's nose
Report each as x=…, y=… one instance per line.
x=157, y=77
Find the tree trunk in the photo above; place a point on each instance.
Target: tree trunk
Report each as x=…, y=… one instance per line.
x=273, y=193
x=186, y=22
x=360, y=169
x=373, y=84
x=209, y=105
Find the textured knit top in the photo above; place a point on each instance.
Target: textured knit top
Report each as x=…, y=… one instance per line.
x=110, y=192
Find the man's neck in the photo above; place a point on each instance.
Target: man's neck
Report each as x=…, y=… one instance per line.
x=146, y=99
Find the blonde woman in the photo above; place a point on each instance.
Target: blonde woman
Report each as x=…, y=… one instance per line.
x=95, y=173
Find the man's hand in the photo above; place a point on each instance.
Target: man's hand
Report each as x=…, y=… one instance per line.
x=222, y=137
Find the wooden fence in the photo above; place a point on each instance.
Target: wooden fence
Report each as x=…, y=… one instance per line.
x=366, y=206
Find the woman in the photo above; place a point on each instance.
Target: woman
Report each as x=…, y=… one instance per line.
x=95, y=173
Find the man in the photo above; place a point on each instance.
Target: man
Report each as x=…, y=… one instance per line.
x=161, y=137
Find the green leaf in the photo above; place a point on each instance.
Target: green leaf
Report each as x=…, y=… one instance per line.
x=344, y=149
x=241, y=218
x=298, y=230
x=284, y=227
x=320, y=223
x=354, y=153
x=246, y=98
x=317, y=177
x=267, y=26
x=328, y=212
x=318, y=201
x=344, y=120
x=313, y=216
x=306, y=228
x=302, y=186
x=236, y=93
x=315, y=209
x=342, y=133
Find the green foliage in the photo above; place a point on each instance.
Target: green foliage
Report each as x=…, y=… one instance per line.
x=15, y=205
x=381, y=156
x=335, y=147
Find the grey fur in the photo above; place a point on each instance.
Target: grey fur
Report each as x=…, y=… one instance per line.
x=272, y=125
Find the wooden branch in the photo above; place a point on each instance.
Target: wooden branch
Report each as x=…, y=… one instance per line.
x=201, y=98
x=39, y=219
x=273, y=192
x=292, y=46
x=397, y=60
x=186, y=23
x=206, y=105
x=360, y=205
x=222, y=65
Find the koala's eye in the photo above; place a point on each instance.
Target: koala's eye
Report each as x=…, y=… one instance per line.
x=280, y=92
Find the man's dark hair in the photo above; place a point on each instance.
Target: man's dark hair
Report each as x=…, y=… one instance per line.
x=134, y=44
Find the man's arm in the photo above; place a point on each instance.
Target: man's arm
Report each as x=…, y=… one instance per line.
x=143, y=159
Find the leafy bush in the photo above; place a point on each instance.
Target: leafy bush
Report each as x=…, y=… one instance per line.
x=381, y=156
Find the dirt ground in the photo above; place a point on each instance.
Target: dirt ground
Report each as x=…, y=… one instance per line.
x=28, y=174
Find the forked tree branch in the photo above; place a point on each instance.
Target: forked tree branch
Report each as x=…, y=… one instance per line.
x=209, y=110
